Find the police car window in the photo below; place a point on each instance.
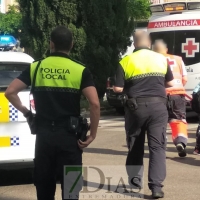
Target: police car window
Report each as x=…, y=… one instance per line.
x=187, y=46
x=8, y=72
x=167, y=36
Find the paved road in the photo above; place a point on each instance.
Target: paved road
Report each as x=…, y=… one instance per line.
x=109, y=148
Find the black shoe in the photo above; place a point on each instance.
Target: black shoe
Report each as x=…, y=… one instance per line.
x=196, y=151
x=181, y=150
x=157, y=195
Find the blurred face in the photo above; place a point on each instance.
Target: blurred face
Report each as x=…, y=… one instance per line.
x=160, y=48
x=146, y=42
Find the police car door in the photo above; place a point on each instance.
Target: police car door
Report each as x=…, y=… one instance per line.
x=16, y=141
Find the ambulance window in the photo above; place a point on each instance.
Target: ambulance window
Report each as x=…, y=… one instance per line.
x=8, y=72
x=187, y=46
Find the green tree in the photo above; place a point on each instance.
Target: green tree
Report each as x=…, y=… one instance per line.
x=41, y=16
x=101, y=30
x=139, y=9
x=108, y=28
x=11, y=22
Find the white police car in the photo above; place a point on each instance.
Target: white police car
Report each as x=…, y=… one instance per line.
x=16, y=142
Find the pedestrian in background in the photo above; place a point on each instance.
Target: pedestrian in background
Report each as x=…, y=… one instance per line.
x=176, y=97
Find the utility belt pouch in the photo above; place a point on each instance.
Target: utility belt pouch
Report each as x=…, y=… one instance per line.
x=123, y=99
x=73, y=124
x=80, y=126
x=83, y=129
x=132, y=104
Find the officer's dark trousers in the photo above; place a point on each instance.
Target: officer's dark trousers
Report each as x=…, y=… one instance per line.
x=152, y=118
x=198, y=134
x=55, y=148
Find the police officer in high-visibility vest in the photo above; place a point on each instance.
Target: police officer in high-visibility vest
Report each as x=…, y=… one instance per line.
x=177, y=102
x=59, y=83
x=142, y=76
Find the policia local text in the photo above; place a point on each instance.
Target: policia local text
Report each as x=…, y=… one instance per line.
x=58, y=74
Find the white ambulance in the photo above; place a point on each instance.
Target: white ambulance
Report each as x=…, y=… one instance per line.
x=16, y=142
x=177, y=22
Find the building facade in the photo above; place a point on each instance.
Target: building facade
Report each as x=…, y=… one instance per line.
x=4, y=5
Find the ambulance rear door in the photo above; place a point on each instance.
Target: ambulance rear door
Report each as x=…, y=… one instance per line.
x=181, y=33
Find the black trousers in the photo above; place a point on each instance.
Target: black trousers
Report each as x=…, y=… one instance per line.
x=198, y=134
x=153, y=118
x=178, y=112
x=55, y=148
x=179, y=107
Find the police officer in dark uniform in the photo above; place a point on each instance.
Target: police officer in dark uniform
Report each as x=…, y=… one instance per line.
x=142, y=75
x=59, y=83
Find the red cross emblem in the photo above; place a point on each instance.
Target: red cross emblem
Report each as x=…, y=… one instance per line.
x=171, y=63
x=190, y=47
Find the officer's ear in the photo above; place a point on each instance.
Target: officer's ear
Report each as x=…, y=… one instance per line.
x=72, y=44
x=52, y=47
x=149, y=42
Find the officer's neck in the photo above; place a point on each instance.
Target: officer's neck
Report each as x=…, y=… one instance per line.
x=65, y=52
x=163, y=53
x=142, y=47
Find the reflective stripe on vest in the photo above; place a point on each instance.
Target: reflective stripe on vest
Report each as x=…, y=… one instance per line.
x=144, y=63
x=58, y=74
x=176, y=67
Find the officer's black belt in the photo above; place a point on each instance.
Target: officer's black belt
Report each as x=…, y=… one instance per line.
x=151, y=99
x=45, y=122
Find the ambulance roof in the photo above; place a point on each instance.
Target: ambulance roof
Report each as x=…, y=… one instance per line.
x=155, y=2
x=19, y=57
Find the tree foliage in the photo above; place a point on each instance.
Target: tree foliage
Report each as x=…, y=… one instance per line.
x=139, y=9
x=101, y=29
x=41, y=16
x=108, y=30
x=11, y=22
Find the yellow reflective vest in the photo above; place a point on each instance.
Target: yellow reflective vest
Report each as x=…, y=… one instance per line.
x=144, y=63
x=57, y=74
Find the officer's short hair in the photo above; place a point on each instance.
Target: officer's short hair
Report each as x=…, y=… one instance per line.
x=62, y=38
x=140, y=36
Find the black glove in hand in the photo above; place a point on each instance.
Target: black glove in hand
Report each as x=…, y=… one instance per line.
x=29, y=113
x=30, y=117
